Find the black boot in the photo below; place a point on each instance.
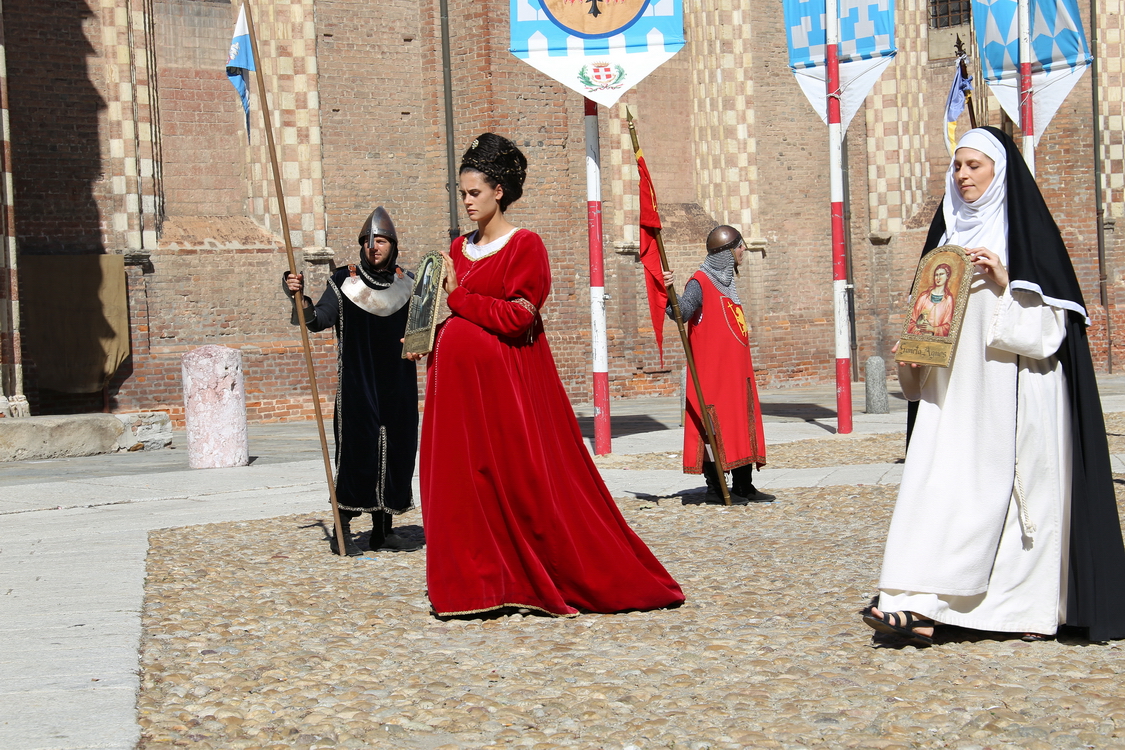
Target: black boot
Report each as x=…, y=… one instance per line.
x=389, y=540
x=743, y=487
x=350, y=547
x=714, y=490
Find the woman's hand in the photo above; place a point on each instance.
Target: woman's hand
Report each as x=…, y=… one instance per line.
x=450, y=281
x=989, y=264
x=668, y=278
x=295, y=283
x=894, y=350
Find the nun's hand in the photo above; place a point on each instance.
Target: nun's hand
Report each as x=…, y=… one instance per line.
x=894, y=350
x=989, y=264
x=450, y=274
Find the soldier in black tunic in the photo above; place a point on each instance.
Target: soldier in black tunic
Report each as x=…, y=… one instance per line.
x=376, y=419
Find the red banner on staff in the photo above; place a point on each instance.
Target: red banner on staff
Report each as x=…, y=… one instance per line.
x=650, y=256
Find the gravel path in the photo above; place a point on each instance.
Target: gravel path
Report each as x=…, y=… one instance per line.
x=256, y=637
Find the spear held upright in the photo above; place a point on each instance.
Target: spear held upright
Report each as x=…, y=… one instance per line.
x=281, y=210
x=704, y=411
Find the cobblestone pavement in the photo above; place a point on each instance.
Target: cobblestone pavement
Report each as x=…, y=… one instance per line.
x=255, y=637
x=124, y=620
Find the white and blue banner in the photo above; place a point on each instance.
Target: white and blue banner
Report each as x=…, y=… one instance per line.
x=239, y=62
x=1058, y=45
x=867, y=46
x=599, y=48
x=955, y=104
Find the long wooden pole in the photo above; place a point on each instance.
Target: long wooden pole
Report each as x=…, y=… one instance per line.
x=300, y=303
x=705, y=415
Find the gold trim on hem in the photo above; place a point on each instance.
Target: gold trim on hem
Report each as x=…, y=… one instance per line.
x=503, y=606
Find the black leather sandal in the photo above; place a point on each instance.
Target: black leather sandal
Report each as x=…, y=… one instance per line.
x=902, y=624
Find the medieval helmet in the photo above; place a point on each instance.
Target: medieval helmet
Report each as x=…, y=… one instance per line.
x=378, y=224
x=723, y=238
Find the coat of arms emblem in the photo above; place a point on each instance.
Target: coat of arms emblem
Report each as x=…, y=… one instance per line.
x=594, y=18
x=600, y=76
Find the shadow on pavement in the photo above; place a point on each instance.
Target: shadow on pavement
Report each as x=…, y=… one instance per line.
x=627, y=424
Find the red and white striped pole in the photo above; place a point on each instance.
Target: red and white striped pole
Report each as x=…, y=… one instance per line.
x=1027, y=113
x=839, y=247
x=597, y=282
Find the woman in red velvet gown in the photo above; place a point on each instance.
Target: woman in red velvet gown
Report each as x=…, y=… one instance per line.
x=515, y=512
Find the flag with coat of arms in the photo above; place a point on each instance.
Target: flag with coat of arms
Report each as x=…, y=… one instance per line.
x=239, y=62
x=599, y=48
x=1058, y=46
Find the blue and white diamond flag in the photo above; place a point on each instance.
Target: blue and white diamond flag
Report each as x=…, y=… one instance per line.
x=239, y=61
x=867, y=46
x=599, y=48
x=1058, y=44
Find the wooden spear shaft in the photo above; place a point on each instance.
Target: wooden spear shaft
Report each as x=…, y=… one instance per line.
x=674, y=300
x=298, y=298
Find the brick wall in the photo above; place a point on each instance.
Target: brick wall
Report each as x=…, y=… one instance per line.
x=203, y=174
x=357, y=91
x=54, y=82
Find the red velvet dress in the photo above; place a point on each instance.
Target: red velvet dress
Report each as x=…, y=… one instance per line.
x=514, y=509
x=721, y=344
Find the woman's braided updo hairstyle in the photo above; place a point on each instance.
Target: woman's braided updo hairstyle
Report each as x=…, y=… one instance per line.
x=501, y=162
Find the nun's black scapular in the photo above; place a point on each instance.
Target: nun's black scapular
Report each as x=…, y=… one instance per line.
x=1038, y=262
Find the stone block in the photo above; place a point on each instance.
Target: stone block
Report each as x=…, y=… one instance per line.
x=875, y=382
x=145, y=431
x=215, y=408
x=71, y=435
x=38, y=438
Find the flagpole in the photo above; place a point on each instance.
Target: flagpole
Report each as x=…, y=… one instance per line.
x=960, y=49
x=598, y=341
x=297, y=298
x=839, y=246
x=704, y=414
x=1027, y=112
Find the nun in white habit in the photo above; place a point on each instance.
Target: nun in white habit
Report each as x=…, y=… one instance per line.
x=982, y=531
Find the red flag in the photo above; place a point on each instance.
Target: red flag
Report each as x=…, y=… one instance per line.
x=650, y=256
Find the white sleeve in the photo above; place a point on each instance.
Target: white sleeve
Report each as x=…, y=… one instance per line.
x=1023, y=325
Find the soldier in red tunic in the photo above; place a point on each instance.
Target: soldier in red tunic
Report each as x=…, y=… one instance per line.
x=719, y=338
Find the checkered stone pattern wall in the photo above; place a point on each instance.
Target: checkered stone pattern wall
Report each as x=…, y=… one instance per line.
x=722, y=116
x=11, y=373
x=131, y=166
x=1111, y=90
x=286, y=33
x=899, y=125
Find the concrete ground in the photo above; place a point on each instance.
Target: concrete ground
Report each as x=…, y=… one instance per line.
x=74, y=536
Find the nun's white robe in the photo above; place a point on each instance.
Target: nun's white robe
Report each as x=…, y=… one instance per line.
x=980, y=529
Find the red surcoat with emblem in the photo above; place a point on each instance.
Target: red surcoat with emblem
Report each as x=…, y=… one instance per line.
x=720, y=342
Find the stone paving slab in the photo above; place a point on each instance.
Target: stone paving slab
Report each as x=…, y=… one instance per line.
x=107, y=716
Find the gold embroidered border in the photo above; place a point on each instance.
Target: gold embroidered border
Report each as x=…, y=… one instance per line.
x=504, y=244
x=503, y=606
x=526, y=305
